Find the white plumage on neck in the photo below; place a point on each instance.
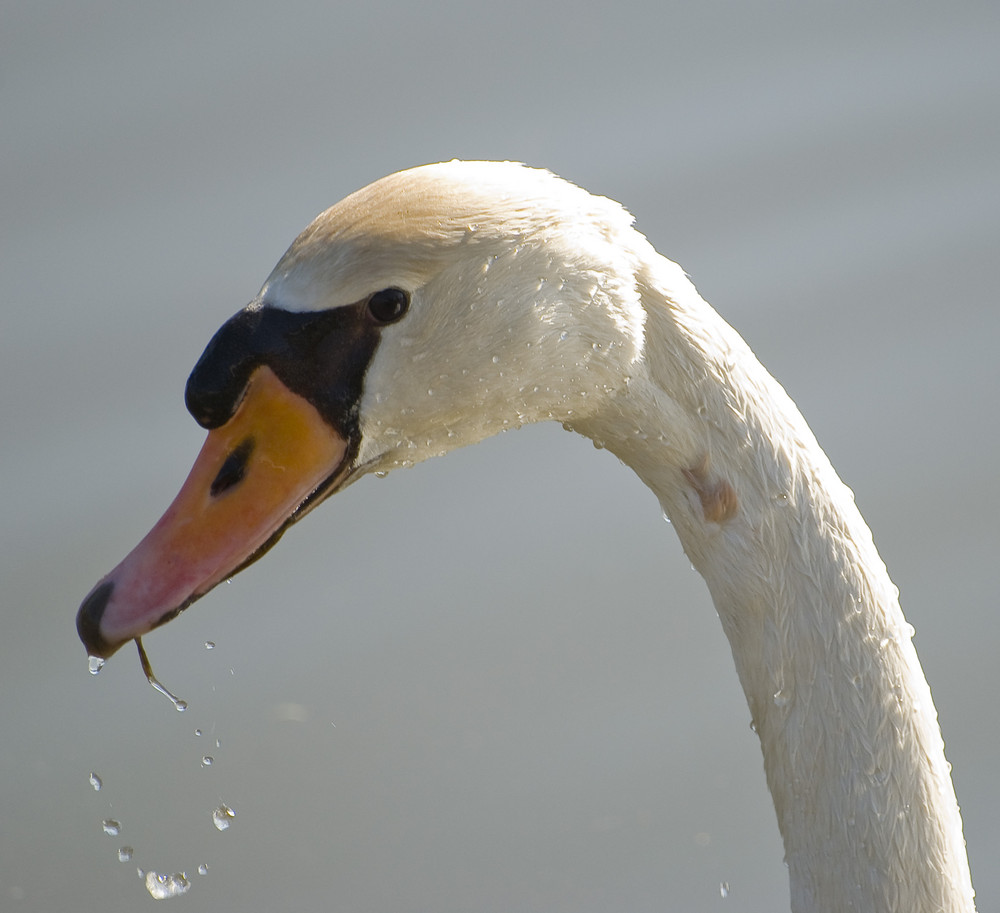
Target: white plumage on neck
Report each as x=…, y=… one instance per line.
x=852, y=749
x=533, y=300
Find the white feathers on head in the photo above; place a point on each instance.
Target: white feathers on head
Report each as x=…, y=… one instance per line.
x=498, y=257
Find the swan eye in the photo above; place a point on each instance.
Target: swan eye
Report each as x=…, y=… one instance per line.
x=388, y=305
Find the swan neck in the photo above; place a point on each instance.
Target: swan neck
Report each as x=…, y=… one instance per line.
x=852, y=750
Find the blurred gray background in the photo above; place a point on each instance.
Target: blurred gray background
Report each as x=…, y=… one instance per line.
x=491, y=682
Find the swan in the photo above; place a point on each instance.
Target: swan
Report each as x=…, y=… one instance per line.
x=446, y=303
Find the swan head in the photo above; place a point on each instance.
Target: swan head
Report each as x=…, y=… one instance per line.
x=429, y=310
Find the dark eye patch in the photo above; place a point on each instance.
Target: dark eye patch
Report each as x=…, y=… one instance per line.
x=233, y=468
x=320, y=355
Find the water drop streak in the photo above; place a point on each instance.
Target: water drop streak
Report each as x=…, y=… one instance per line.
x=148, y=671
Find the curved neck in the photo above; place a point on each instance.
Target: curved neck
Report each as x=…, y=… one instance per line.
x=852, y=751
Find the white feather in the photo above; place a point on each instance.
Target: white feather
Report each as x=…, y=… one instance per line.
x=533, y=300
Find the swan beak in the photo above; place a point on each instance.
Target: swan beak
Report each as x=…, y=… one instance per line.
x=252, y=475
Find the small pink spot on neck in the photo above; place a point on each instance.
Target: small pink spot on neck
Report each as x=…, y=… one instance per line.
x=718, y=498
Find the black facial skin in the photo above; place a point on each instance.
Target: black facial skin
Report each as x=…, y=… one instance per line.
x=320, y=355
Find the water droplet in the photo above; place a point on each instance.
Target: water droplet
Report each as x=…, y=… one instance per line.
x=724, y=890
x=96, y=781
x=380, y=473
x=207, y=761
x=125, y=854
x=563, y=336
x=496, y=359
x=197, y=732
x=222, y=817
x=111, y=827
x=161, y=887
x=753, y=725
x=209, y=644
x=909, y=630
x=782, y=698
x=95, y=664
x=203, y=869
x=218, y=743
x=148, y=672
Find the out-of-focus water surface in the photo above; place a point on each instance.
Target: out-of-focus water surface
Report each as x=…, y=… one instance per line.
x=491, y=682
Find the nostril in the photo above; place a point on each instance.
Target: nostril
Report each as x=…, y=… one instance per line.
x=88, y=619
x=233, y=469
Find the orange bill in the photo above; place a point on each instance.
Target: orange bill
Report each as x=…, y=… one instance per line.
x=250, y=477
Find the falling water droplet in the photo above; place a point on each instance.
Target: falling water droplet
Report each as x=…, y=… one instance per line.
x=724, y=890
x=161, y=887
x=209, y=644
x=222, y=817
x=111, y=827
x=95, y=664
x=96, y=781
x=125, y=854
x=203, y=869
x=207, y=761
x=197, y=732
x=148, y=672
